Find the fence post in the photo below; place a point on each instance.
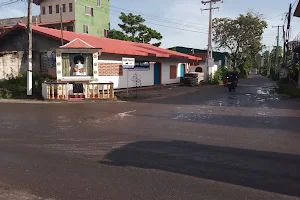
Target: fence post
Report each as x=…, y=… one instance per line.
x=87, y=87
x=48, y=91
x=112, y=90
x=53, y=91
x=98, y=91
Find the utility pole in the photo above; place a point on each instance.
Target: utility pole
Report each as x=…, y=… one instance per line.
x=286, y=35
x=209, y=58
x=29, y=59
x=61, y=24
x=277, y=47
x=269, y=61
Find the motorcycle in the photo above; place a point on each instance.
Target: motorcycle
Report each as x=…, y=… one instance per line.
x=231, y=86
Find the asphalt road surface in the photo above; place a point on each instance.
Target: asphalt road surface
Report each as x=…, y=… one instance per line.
x=210, y=144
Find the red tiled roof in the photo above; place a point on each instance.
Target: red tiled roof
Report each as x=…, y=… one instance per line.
x=77, y=43
x=109, y=45
x=297, y=10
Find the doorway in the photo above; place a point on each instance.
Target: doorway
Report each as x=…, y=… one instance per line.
x=182, y=70
x=157, y=73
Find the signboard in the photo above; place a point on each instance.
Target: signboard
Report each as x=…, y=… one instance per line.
x=128, y=63
x=141, y=65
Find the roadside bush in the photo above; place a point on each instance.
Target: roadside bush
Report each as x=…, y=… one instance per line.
x=219, y=75
x=16, y=87
x=289, y=89
x=5, y=94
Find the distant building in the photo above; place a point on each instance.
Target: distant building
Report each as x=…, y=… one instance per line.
x=6, y=24
x=13, y=21
x=89, y=16
x=202, y=53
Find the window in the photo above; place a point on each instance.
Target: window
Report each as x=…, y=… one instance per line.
x=43, y=10
x=198, y=69
x=70, y=28
x=173, y=71
x=64, y=7
x=57, y=8
x=77, y=64
x=85, y=29
x=50, y=10
x=70, y=7
x=105, y=33
x=98, y=3
x=89, y=11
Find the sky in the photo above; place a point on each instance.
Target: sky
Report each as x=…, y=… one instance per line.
x=182, y=23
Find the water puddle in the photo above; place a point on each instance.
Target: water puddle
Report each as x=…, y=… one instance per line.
x=266, y=90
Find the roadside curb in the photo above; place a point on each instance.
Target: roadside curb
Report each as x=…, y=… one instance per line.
x=31, y=101
x=28, y=101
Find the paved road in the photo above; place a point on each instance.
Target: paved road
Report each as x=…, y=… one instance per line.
x=210, y=144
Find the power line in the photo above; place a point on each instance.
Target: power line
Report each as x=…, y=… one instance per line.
x=163, y=20
x=195, y=31
x=9, y=3
x=166, y=26
x=155, y=16
x=182, y=29
x=294, y=3
x=152, y=17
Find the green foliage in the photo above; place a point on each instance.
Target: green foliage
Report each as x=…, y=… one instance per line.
x=244, y=68
x=115, y=34
x=5, y=93
x=133, y=29
x=219, y=75
x=241, y=36
x=289, y=89
x=16, y=87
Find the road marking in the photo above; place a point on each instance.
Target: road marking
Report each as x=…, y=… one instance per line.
x=125, y=114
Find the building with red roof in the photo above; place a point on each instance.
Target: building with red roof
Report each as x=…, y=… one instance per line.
x=153, y=64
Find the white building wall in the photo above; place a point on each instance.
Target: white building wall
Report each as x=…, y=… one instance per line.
x=146, y=76
x=166, y=72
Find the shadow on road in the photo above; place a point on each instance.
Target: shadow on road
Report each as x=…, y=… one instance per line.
x=269, y=171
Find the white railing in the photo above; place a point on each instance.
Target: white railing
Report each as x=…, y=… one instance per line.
x=65, y=91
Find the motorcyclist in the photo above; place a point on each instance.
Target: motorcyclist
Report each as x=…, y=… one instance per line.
x=232, y=78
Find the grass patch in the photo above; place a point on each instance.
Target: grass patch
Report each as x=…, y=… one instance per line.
x=289, y=89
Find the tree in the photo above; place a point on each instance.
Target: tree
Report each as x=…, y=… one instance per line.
x=241, y=36
x=115, y=34
x=273, y=56
x=133, y=29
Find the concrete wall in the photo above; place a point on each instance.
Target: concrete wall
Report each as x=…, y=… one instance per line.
x=96, y=23
x=11, y=64
x=13, y=60
x=55, y=17
x=146, y=76
x=211, y=70
x=18, y=42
